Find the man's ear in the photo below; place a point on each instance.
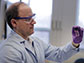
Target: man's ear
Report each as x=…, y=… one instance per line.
x=13, y=22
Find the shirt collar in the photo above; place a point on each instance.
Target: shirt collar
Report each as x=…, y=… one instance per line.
x=18, y=38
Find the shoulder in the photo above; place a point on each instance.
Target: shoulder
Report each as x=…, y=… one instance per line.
x=9, y=45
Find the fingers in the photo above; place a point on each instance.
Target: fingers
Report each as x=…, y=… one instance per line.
x=77, y=30
x=77, y=33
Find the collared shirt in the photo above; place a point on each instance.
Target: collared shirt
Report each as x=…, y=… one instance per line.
x=15, y=49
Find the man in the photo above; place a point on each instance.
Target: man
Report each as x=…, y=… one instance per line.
x=20, y=47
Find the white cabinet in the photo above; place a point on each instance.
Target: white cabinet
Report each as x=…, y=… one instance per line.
x=64, y=15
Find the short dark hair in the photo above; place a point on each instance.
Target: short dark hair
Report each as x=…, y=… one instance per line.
x=12, y=12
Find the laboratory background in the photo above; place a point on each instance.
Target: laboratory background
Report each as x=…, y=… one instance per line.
x=55, y=19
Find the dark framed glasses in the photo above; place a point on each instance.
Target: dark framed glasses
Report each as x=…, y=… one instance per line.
x=25, y=17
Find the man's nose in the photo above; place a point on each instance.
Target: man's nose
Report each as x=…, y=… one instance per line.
x=33, y=21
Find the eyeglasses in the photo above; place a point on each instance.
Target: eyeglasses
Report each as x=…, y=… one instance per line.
x=27, y=19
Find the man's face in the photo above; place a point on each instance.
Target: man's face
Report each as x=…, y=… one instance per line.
x=25, y=26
